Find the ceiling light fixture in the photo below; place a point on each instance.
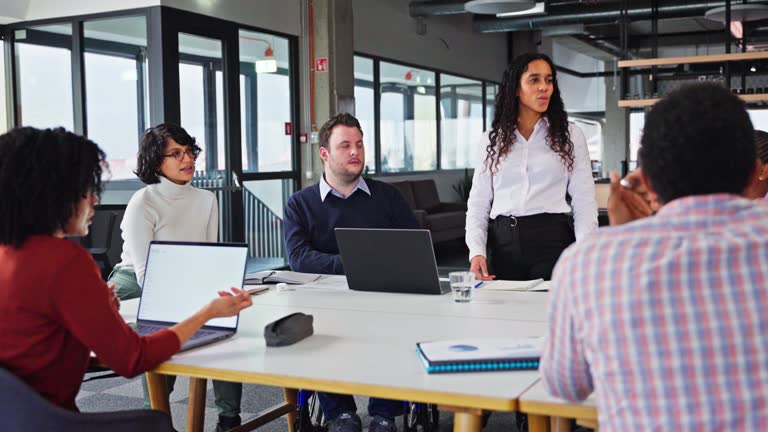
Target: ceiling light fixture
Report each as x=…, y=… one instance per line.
x=267, y=63
x=539, y=9
x=739, y=12
x=495, y=7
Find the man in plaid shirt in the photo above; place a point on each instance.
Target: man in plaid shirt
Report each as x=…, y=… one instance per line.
x=666, y=318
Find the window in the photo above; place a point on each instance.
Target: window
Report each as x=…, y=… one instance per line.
x=45, y=98
x=116, y=89
x=636, y=124
x=408, y=119
x=593, y=134
x=201, y=99
x=3, y=113
x=461, y=105
x=364, y=108
x=491, y=90
x=265, y=102
x=264, y=204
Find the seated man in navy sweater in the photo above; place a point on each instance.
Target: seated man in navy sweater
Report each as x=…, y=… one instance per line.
x=342, y=199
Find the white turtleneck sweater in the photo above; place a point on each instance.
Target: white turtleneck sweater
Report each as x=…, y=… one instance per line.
x=166, y=211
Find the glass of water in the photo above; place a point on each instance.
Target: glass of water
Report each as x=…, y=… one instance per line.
x=461, y=285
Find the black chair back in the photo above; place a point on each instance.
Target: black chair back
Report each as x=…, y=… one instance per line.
x=23, y=409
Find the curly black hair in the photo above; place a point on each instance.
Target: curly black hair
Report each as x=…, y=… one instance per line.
x=43, y=176
x=502, y=135
x=698, y=140
x=152, y=149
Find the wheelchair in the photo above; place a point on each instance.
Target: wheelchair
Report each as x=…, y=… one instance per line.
x=417, y=417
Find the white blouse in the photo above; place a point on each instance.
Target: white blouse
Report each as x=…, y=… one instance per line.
x=531, y=179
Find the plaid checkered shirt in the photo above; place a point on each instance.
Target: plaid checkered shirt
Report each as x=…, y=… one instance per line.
x=666, y=319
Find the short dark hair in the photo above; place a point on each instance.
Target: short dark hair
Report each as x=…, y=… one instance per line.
x=152, y=149
x=340, y=119
x=698, y=140
x=43, y=176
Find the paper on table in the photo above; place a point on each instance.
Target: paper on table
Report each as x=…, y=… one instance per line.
x=508, y=285
x=330, y=282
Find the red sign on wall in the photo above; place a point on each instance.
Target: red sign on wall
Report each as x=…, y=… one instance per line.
x=288, y=128
x=321, y=64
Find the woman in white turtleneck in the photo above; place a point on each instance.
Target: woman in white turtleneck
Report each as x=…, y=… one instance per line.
x=170, y=208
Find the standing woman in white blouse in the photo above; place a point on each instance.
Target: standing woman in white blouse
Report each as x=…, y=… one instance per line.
x=517, y=207
x=170, y=208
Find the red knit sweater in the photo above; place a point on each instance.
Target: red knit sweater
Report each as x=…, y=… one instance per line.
x=55, y=310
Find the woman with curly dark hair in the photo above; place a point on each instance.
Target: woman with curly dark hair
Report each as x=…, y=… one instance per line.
x=170, y=208
x=55, y=309
x=533, y=157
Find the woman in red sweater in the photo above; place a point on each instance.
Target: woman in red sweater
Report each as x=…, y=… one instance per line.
x=54, y=307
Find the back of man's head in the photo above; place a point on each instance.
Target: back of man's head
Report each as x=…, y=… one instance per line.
x=696, y=141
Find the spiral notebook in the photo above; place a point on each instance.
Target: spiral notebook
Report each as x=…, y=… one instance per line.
x=481, y=355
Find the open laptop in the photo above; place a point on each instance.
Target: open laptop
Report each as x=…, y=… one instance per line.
x=181, y=278
x=390, y=260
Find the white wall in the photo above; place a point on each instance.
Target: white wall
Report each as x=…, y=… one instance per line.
x=276, y=15
x=43, y=9
x=384, y=28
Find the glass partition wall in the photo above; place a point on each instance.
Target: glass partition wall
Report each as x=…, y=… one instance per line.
x=110, y=76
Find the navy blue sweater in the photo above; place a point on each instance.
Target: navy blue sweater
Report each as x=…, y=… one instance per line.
x=309, y=222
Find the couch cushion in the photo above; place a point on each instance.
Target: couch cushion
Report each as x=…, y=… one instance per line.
x=425, y=193
x=405, y=189
x=447, y=220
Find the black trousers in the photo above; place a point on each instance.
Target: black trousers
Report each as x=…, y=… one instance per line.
x=527, y=247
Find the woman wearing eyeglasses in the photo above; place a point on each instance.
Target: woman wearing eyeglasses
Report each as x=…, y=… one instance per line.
x=169, y=208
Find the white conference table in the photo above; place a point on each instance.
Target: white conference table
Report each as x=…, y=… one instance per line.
x=364, y=344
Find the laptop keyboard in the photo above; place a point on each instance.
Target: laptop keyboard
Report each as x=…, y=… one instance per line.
x=147, y=329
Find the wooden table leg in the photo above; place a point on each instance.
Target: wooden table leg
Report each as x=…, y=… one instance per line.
x=465, y=419
x=158, y=392
x=561, y=424
x=538, y=423
x=291, y=397
x=196, y=407
x=467, y=422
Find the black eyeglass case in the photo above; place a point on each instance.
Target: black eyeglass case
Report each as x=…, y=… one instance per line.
x=288, y=330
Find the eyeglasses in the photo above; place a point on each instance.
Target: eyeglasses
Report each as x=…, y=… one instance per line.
x=178, y=154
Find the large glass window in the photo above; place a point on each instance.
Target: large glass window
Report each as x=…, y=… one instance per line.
x=461, y=105
x=115, y=88
x=202, y=107
x=491, y=90
x=44, y=75
x=264, y=204
x=636, y=124
x=3, y=112
x=408, y=119
x=364, y=108
x=265, y=102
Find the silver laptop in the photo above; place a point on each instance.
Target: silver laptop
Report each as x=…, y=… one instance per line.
x=181, y=278
x=390, y=260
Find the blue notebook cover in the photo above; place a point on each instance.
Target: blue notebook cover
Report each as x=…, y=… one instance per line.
x=481, y=355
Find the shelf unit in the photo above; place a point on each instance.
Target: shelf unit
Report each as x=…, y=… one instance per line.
x=717, y=58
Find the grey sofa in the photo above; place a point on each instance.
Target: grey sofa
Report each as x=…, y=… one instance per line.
x=445, y=221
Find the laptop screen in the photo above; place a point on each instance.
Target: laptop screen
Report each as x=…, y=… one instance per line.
x=181, y=278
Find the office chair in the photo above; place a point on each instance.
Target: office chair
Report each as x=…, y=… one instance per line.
x=99, y=239
x=23, y=409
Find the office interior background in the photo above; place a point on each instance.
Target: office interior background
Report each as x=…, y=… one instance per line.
x=253, y=80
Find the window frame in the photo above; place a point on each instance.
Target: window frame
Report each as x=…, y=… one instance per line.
x=438, y=123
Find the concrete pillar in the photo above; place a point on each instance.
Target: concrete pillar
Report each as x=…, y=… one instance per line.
x=334, y=88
